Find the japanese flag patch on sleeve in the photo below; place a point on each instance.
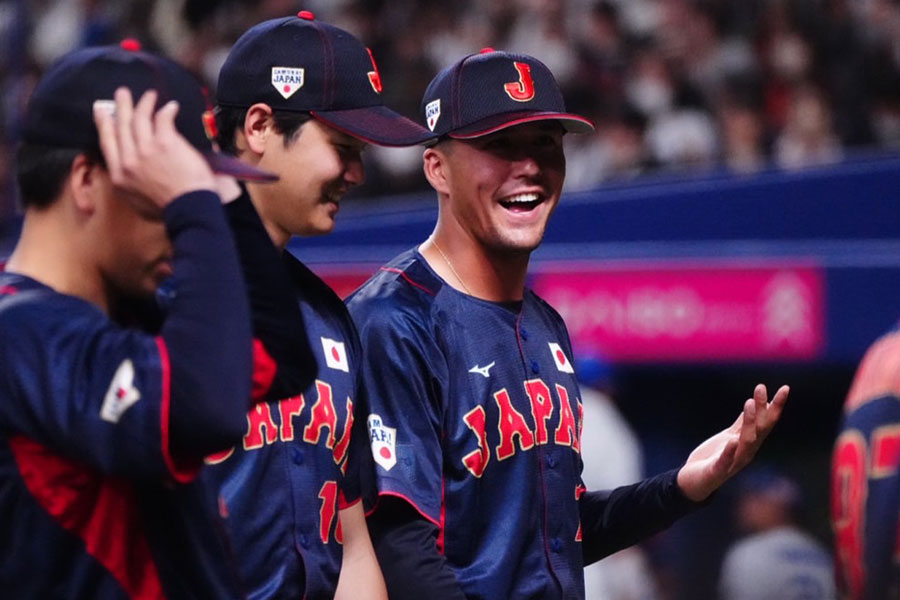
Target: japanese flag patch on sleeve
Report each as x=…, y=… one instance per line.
x=384, y=442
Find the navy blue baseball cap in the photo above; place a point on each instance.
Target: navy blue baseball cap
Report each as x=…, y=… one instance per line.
x=60, y=110
x=491, y=90
x=300, y=64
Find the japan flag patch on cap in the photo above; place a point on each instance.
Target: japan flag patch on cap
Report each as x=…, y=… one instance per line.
x=383, y=439
x=559, y=357
x=433, y=113
x=121, y=394
x=335, y=354
x=288, y=80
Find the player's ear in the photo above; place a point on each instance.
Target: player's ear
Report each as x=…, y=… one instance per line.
x=86, y=182
x=434, y=165
x=258, y=126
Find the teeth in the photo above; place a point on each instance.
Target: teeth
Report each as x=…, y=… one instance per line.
x=522, y=198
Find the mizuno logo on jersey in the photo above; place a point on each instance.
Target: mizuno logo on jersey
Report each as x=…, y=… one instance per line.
x=335, y=355
x=383, y=439
x=288, y=80
x=484, y=371
x=121, y=394
x=559, y=357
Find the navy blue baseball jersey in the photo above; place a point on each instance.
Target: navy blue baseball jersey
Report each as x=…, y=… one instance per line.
x=299, y=463
x=475, y=420
x=865, y=494
x=94, y=504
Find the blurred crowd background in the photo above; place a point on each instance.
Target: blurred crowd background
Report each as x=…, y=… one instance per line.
x=674, y=85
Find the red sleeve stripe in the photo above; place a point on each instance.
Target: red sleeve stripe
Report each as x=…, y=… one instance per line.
x=408, y=280
x=101, y=511
x=8, y=290
x=182, y=473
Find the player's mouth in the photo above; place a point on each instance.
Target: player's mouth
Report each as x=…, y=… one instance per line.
x=522, y=203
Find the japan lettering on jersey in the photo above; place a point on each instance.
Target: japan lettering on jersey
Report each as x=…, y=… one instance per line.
x=865, y=493
x=298, y=464
x=475, y=420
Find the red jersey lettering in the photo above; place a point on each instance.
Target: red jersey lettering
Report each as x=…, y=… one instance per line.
x=476, y=460
x=323, y=415
x=290, y=408
x=260, y=418
x=541, y=407
x=523, y=89
x=510, y=424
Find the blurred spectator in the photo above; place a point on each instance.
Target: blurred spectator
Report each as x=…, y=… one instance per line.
x=612, y=457
x=776, y=560
x=826, y=73
x=808, y=137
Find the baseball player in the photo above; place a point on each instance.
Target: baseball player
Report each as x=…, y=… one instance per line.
x=103, y=428
x=301, y=98
x=475, y=413
x=865, y=483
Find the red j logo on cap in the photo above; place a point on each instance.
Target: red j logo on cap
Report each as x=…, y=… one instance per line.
x=523, y=89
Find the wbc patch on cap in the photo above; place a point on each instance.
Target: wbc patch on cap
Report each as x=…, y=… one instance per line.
x=433, y=113
x=288, y=80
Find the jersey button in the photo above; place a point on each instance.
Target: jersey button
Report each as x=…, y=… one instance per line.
x=304, y=540
x=555, y=544
x=551, y=461
x=297, y=455
x=535, y=367
x=524, y=334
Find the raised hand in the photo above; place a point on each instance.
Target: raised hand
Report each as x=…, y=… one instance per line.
x=718, y=458
x=144, y=152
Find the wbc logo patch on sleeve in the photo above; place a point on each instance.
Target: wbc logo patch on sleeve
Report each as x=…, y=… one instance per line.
x=288, y=80
x=559, y=357
x=433, y=113
x=121, y=394
x=335, y=355
x=383, y=440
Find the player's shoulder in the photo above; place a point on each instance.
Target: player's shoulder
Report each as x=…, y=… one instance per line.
x=878, y=374
x=28, y=304
x=404, y=289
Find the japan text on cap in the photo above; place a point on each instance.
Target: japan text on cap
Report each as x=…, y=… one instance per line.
x=301, y=64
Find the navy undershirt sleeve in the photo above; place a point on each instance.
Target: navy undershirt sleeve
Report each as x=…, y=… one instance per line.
x=406, y=546
x=613, y=520
x=277, y=321
x=207, y=331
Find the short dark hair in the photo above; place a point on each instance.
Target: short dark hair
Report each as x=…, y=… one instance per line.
x=41, y=171
x=230, y=119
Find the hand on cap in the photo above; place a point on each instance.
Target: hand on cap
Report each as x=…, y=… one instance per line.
x=145, y=153
x=718, y=458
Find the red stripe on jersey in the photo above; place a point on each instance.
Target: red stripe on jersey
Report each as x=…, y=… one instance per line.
x=343, y=504
x=181, y=471
x=408, y=280
x=878, y=374
x=264, y=368
x=8, y=290
x=440, y=538
x=102, y=512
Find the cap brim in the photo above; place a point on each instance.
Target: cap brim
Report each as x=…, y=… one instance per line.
x=228, y=165
x=377, y=125
x=572, y=123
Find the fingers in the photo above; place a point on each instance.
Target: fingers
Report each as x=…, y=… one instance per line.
x=142, y=123
x=124, y=135
x=106, y=132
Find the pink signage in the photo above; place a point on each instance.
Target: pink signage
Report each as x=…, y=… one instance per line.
x=691, y=313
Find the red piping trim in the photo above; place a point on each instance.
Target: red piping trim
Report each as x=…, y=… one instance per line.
x=408, y=280
x=188, y=473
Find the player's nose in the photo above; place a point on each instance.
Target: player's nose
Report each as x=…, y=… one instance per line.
x=355, y=172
